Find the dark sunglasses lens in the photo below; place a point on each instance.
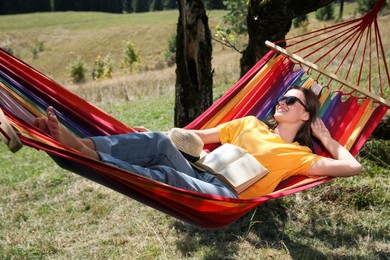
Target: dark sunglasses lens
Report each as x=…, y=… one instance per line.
x=291, y=100
x=281, y=98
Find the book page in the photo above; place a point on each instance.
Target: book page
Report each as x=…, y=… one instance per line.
x=243, y=170
x=221, y=157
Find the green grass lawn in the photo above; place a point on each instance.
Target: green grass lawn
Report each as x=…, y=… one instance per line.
x=49, y=213
x=89, y=21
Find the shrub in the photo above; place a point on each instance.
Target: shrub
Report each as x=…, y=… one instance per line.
x=325, y=13
x=8, y=49
x=299, y=21
x=77, y=71
x=170, y=52
x=37, y=47
x=364, y=6
x=102, y=68
x=131, y=57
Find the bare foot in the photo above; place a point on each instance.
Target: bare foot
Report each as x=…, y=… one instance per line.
x=41, y=123
x=59, y=132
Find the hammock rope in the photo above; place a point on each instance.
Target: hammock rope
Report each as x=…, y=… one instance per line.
x=25, y=93
x=345, y=41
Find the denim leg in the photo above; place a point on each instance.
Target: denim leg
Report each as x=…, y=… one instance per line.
x=144, y=149
x=153, y=155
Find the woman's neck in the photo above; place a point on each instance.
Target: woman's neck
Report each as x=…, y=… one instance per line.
x=287, y=131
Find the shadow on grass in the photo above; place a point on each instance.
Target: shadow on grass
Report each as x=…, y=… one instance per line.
x=265, y=228
x=262, y=228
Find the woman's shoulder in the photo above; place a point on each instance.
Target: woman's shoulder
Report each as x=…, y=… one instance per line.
x=252, y=119
x=244, y=122
x=255, y=120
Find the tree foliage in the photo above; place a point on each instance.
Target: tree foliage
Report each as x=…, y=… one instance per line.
x=157, y=5
x=364, y=6
x=127, y=6
x=170, y=4
x=325, y=13
x=112, y=6
x=141, y=6
x=271, y=20
x=23, y=6
x=236, y=15
x=298, y=21
x=214, y=4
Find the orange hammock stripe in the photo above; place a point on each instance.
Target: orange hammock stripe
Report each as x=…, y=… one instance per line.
x=354, y=123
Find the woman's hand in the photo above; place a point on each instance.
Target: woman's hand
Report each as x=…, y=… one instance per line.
x=141, y=129
x=319, y=129
x=342, y=163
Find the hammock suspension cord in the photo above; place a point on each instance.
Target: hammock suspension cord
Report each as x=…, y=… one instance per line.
x=345, y=41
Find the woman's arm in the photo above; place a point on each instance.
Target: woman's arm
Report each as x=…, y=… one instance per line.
x=342, y=163
x=208, y=136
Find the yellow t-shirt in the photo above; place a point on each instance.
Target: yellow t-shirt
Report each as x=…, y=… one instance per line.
x=282, y=159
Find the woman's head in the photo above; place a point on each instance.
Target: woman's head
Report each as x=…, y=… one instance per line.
x=300, y=106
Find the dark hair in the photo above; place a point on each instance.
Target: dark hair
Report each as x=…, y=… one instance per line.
x=303, y=137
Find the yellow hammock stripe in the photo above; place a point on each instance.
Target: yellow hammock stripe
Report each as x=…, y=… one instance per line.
x=243, y=92
x=362, y=116
x=29, y=106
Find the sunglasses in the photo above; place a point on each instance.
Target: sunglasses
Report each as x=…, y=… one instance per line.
x=291, y=100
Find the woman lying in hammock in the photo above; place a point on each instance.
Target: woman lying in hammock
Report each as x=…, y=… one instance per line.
x=282, y=147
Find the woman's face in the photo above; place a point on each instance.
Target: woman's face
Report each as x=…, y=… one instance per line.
x=292, y=113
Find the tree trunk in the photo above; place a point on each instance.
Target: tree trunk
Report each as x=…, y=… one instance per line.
x=341, y=10
x=271, y=20
x=194, y=75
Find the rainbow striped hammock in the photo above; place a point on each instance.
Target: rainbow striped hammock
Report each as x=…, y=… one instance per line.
x=350, y=112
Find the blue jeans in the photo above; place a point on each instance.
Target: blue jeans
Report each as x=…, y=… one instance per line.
x=153, y=155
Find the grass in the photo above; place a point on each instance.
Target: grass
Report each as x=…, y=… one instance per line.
x=49, y=213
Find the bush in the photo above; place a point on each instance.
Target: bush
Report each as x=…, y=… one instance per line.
x=37, y=47
x=300, y=20
x=8, y=49
x=325, y=13
x=364, y=6
x=131, y=58
x=170, y=52
x=77, y=71
x=102, y=68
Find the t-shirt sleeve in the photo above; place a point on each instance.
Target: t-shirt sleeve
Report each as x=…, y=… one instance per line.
x=228, y=131
x=306, y=162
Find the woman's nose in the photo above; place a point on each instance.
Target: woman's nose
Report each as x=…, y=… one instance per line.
x=282, y=103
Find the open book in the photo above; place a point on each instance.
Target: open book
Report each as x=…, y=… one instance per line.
x=234, y=166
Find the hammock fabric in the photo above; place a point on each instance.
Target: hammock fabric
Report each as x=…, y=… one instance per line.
x=25, y=93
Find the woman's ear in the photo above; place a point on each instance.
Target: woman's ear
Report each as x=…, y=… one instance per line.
x=306, y=116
